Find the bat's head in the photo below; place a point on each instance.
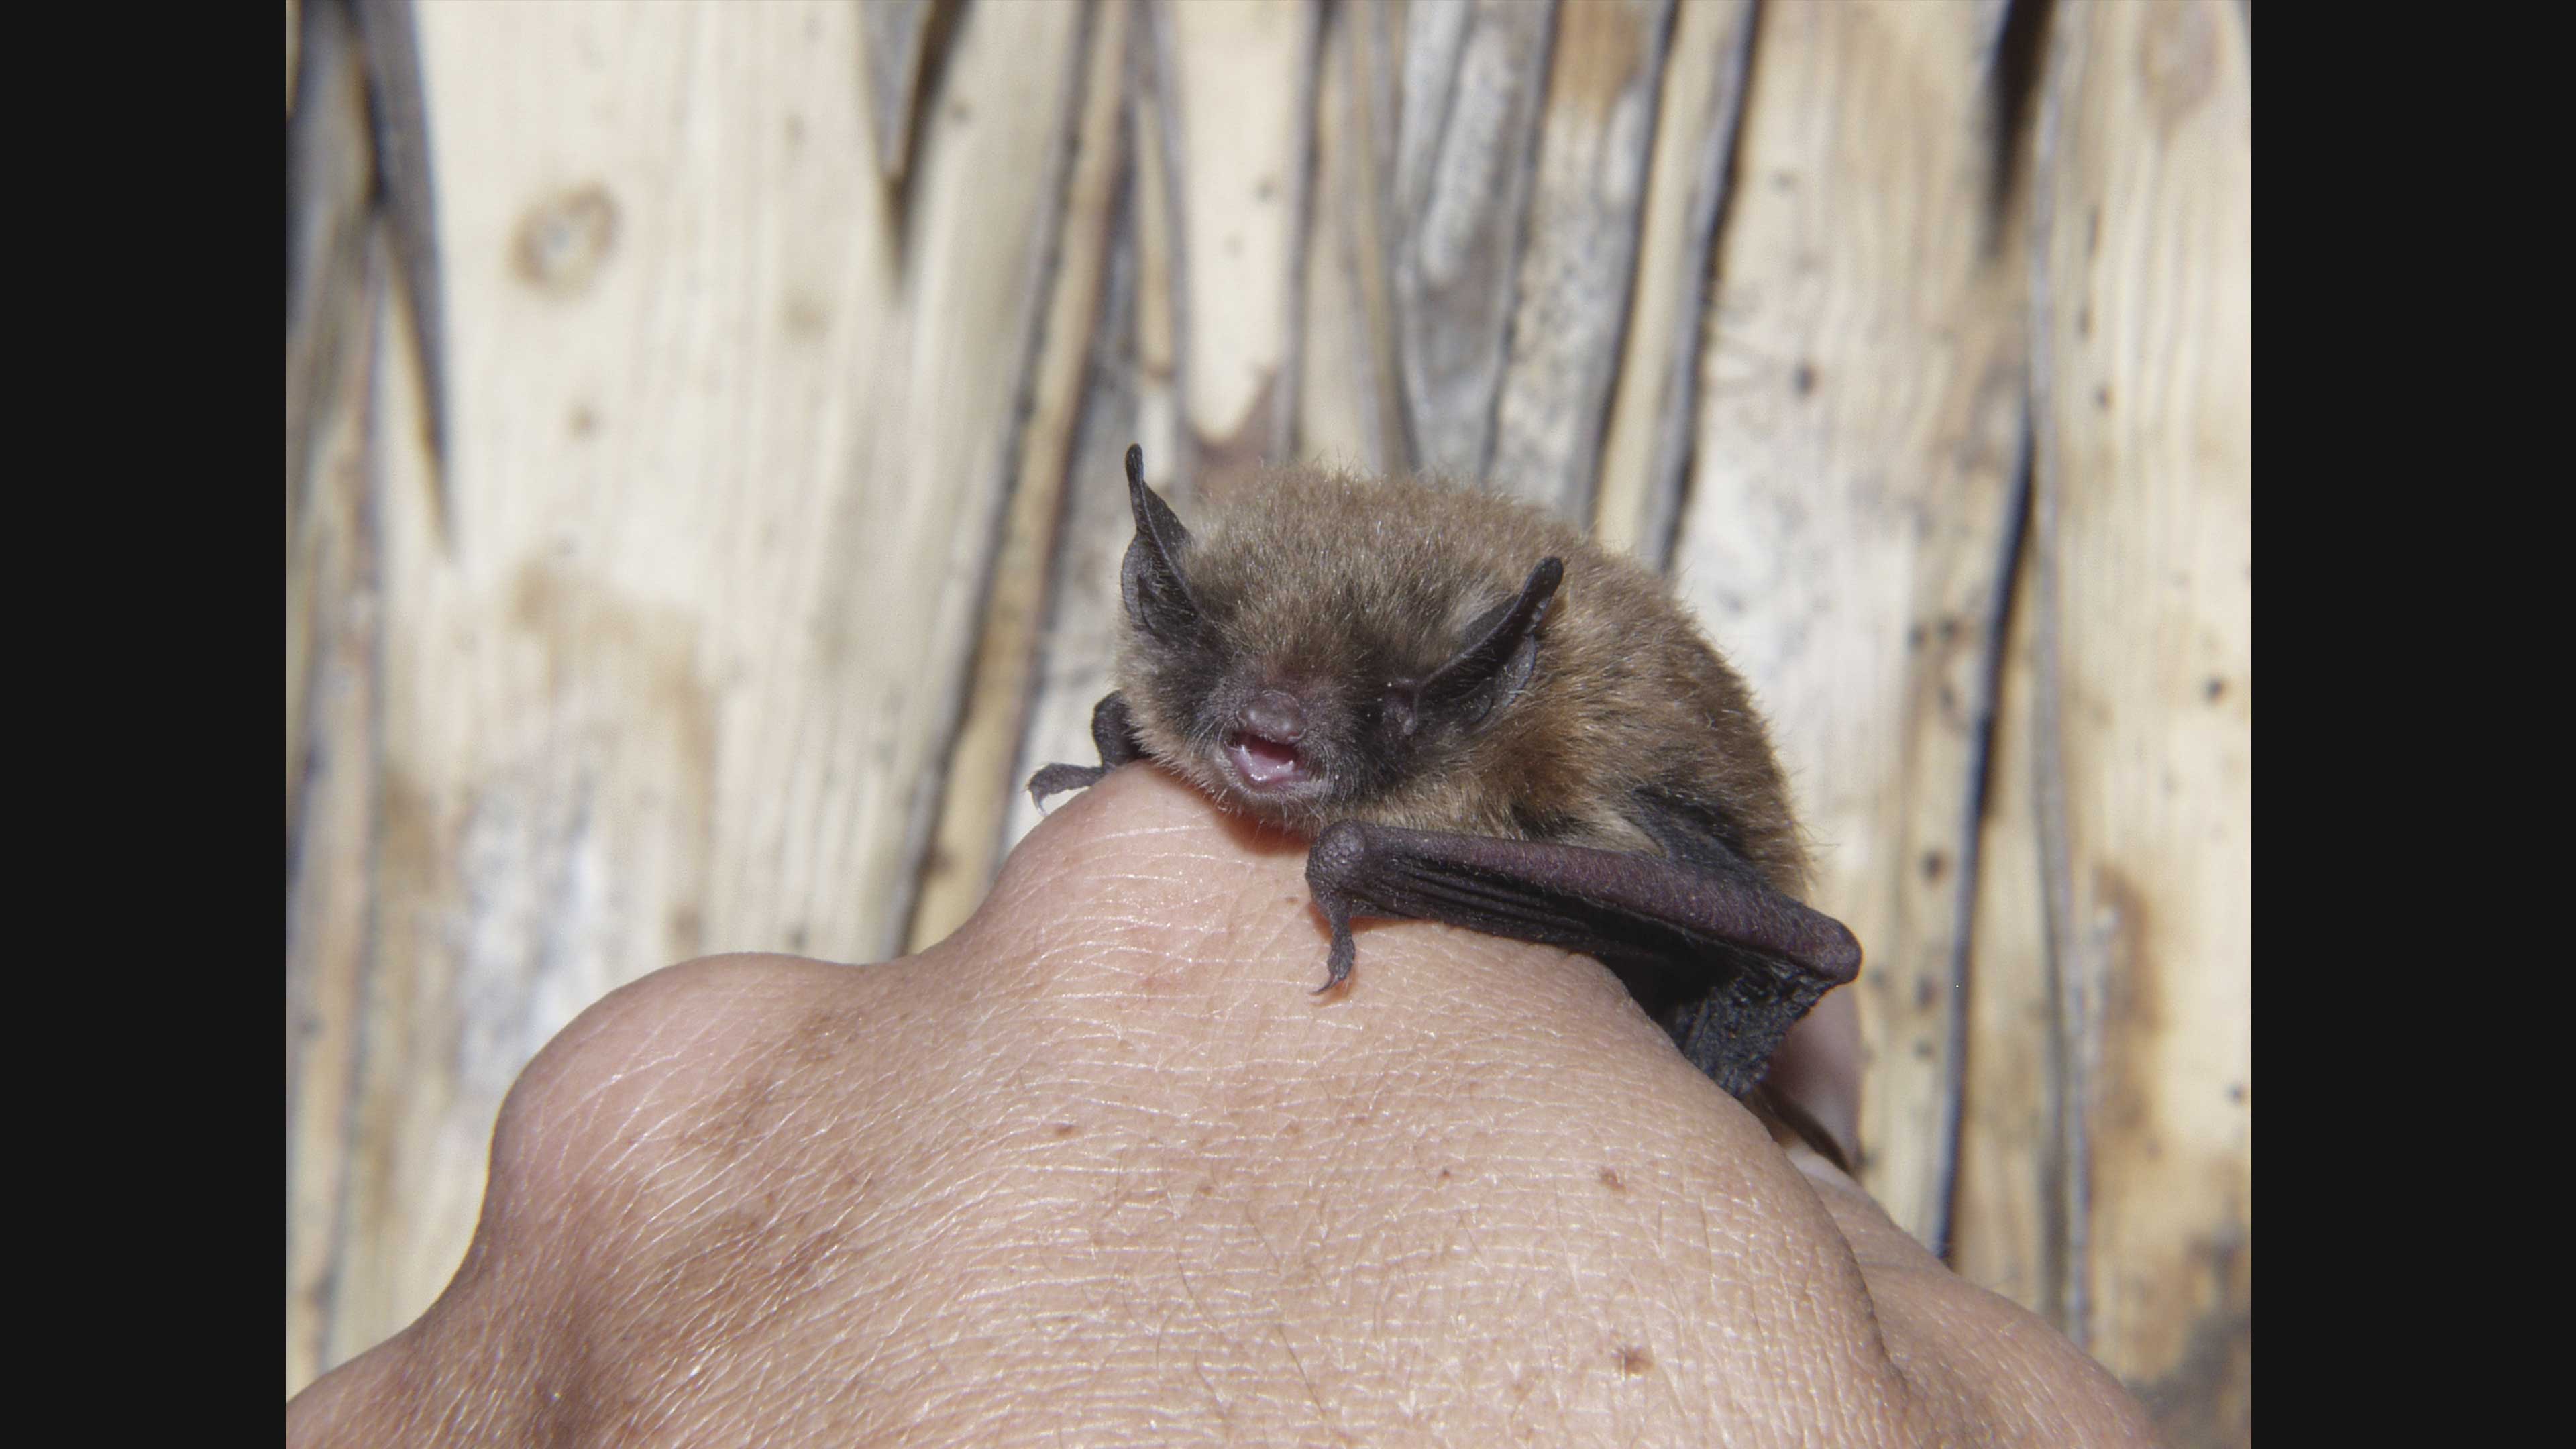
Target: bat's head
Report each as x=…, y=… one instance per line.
x=1306, y=665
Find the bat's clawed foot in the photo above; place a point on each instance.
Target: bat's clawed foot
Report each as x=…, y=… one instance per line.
x=1337, y=854
x=1056, y=779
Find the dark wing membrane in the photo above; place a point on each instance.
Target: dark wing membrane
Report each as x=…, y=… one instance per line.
x=1717, y=1026
x=1727, y=963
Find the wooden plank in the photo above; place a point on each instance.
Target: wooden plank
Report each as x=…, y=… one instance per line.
x=1646, y=447
x=334, y=604
x=388, y=1074
x=981, y=780
x=1377, y=35
x=408, y=197
x=1988, y=24
x=1155, y=215
x=1595, y=134
x=891, y=40
x=2009, y=1208
x=731, y=442
x=1080, y=624
x=1473, y=76
x=1240, y=78
x=2143, y=416
x=1130, y=396
x=337, y=290
x=330, y=174
x=1860, y=425
x=1346, y=404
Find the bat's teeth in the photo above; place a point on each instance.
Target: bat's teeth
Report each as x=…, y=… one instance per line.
x=1265, y=764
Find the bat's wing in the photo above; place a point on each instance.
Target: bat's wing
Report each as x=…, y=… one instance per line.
x=1726, y=962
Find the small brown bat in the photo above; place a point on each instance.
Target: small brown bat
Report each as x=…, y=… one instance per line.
x=1480, y=719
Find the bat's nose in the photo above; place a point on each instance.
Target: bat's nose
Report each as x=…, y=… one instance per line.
x=1276, y=716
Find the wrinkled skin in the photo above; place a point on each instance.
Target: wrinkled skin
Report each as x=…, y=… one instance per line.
x=1098, y=1169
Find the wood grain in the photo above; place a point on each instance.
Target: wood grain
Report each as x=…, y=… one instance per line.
x=1239, y=127
x=1473, y=73
x=2009, y=1207
x=336, y=608
x=892, y=36
x=407, y=193
x=1155, y=217
x=980, y=771
x=330, y=173
x=1130, y=394
x=1079, y=635
x=1860, y=424
x=2142, y=330
x=687, y=674
x=338, y=291
x=1646, y=447
x=1575, y=273
x=1348, y=411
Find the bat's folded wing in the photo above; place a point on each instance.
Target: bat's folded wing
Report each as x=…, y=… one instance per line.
x=1727, y=963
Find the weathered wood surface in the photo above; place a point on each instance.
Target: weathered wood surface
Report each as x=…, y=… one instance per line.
x=734, y=430
x=1473, y=74
x=1235, y=79
x=791, y=352
x=892, y=35
x=398, y=109
x=1347, y=407
x=2143, y=326
x=981, y=783
x=2008, y=1210
x=1573, y=280
x=1646, y=445
x=330, y=166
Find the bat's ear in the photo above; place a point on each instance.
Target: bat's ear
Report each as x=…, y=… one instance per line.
x=1498, y=657
x=1150, y=581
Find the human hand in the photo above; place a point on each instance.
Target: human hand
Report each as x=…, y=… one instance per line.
x=1097, y=1169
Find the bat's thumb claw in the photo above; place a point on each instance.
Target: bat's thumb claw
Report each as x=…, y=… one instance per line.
x=1338, y=966
x=1056, y=779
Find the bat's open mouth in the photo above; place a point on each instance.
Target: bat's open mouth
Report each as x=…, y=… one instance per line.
x=1265, y=765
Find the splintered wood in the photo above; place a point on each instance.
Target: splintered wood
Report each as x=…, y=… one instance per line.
x=791, y=351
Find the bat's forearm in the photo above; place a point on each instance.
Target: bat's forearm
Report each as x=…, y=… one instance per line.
x=1727, y=963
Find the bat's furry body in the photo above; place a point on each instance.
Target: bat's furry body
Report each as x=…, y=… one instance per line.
x=1552, y=753
x=1340, y=584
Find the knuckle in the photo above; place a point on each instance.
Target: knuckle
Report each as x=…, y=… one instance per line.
x=634, y=1058
x=1339, y=856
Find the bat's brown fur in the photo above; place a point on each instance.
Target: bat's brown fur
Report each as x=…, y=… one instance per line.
x=1330, y=585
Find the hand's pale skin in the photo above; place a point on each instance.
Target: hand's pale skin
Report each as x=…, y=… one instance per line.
x=1098, y=1170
